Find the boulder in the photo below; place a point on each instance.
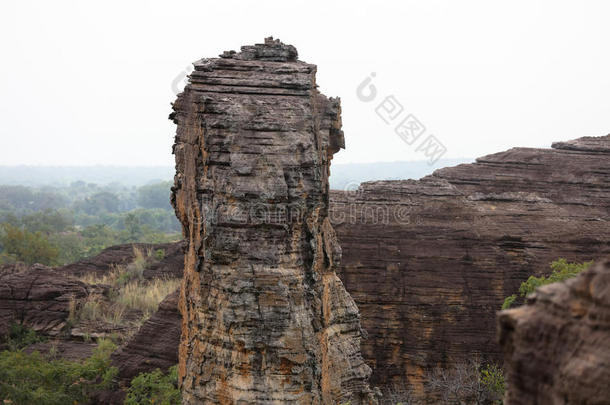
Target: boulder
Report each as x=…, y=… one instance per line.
x=557, y=346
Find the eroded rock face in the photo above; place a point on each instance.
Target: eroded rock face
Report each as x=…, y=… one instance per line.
x=40, y=298
x=155, y=345
x=265, y=317
x=557, y=346
x=430, y=262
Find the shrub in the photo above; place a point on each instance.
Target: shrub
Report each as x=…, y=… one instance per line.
x=20, y=336
x=562, y=270
x=28, y=247
x=135, y=269
x=468, y=383
x=155, y=388
x=34, y=379
x=492, y=378
x=508, y=301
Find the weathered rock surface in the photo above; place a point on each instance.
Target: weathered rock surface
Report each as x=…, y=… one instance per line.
x=169, y=266
x=429, y=262
x=40, y=298
x=265, y=317
x=557, y=346
x=155, y=345
x=429, y=278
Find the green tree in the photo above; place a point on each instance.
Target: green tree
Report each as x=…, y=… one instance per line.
x=28, y=247
x=70, y=245
x=33, y=379
x=155, y=195
x=132, y=226
x=47, y=221
x=98, y=237
x=158, y=219
x=155, y=388
x=18, y=197
x=562, y=270
x=99, y=203
x=48, y=200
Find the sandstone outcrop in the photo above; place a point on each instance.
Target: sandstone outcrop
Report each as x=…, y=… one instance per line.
x=429, y=262
x=265, y=317
x=557, y=345
x=155, y=345
x=39, y=298
x=170, y=265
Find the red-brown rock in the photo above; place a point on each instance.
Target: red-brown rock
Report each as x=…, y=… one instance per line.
x=171, y=265
x=557, y=346
x=430, y=262
x=155, y=345
x=39, y=298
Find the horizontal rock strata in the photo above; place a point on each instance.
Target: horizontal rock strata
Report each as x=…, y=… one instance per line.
x=265, y=318
x=39, y=298
x=430, y=262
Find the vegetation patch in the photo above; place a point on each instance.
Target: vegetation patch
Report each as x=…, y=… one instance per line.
x=470, y=382
x=60, y=225
x=34, y=379
x=562, y=270
x=131, y=292
x=20, y=336
x=155, y=387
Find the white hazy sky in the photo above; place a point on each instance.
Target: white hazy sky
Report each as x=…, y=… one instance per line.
x=85, y=82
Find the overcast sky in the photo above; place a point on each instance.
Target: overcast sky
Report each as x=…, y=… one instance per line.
x=85, y=82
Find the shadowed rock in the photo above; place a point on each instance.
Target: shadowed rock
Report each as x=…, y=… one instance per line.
x=39, y=298
x=557, y=346
x=155, y=345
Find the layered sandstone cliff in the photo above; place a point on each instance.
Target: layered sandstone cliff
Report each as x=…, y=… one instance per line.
x=265, y=317
x=557, y=346
x=429, y=262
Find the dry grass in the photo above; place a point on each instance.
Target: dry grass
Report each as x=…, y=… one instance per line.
x=120, y=275
x=132, y=292
x=146, y=296
x=109, y=278
x=95, y=309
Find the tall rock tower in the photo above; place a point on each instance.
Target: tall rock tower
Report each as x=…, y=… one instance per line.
x=265, y=318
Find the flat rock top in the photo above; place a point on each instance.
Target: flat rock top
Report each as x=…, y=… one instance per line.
x=271, y=50
x=600, y=144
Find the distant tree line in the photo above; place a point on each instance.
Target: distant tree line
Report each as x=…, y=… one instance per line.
x=59, y=225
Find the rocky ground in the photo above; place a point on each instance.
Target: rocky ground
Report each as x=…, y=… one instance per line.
x=113, y=295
